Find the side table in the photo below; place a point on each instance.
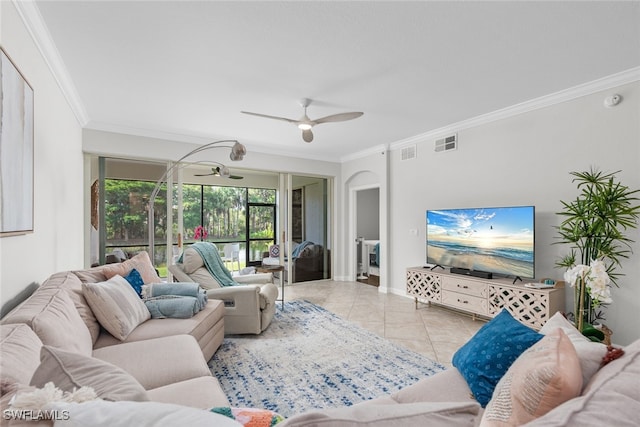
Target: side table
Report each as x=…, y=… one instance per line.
x=274, y=269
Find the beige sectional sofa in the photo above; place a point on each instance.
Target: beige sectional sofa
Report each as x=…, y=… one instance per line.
x=55, y=336
x=161, y=360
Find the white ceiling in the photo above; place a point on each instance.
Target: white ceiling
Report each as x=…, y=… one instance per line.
x=184, y=69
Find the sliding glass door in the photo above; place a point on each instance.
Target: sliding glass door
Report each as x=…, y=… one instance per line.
x=307, y=218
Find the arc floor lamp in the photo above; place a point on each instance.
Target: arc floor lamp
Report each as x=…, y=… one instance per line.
x=238, y=152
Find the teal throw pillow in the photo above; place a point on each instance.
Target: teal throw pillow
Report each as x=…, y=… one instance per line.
x=135, y=280
x=487, y=356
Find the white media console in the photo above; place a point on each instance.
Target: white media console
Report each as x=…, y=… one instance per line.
x=485, y=297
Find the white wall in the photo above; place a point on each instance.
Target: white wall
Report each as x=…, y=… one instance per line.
x=56, y=243
x=368, y=213
x=365, y=172
x=522, y=160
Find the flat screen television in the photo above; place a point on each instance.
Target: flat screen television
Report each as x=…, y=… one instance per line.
x=492, y=240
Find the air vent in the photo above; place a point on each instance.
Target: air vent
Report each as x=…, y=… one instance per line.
x=446, y=144
x=409, y=152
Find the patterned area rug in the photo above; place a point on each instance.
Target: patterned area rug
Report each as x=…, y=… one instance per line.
x=310, y=358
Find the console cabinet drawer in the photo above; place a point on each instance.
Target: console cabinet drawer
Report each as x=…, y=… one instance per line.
x=485, y=297
x=464, y=286
x=465, y=302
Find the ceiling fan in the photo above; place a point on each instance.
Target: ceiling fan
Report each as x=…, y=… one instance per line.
x=220, y=171
x=305, y=123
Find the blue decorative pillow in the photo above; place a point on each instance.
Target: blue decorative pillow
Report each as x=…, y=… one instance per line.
x=487, y=356
x=135, y=280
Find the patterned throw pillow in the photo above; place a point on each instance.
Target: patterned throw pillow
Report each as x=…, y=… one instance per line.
x=135, y=280
x=250, y=417
x=542, y=378
x=274, y=251
x=485, y=358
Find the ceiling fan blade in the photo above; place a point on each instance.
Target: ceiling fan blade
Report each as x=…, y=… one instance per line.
x=338, y=117
x=214, y=171
x=307, y=135
x=270, y=117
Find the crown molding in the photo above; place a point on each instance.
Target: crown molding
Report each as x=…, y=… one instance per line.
x=28, y=11
x=614, y=80
x=168, y=135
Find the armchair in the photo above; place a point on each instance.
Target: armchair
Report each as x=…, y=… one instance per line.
x=249, y=307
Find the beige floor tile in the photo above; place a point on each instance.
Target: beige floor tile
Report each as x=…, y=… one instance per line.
x=375, y=327
x=433, y=331
x=419, y=346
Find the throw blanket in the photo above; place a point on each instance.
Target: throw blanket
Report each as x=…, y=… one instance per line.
x=177, y=300
x=212, y=261
x=187, y=289
x=298, y=250
x=173, y=306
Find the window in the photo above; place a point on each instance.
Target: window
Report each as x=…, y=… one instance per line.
x=228, y=214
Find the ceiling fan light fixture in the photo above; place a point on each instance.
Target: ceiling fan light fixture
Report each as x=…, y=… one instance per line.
x=305, y=123
x=225, y=172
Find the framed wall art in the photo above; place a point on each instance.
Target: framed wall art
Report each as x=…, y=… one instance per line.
x=16, y=150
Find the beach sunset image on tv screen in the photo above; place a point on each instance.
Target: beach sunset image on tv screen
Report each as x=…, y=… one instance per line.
x=496, y=240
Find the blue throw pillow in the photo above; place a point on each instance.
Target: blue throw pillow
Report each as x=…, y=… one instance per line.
x=485, y=358
x=135, y=280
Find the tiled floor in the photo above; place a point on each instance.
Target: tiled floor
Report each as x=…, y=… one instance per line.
x=433, y=331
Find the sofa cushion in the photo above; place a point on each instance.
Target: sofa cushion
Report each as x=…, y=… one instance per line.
x=200, y=392
x=543, y=377
x=71, y=282
x=140, y=262
x=116, y=305
x=70, y=370
x=589, y=352
x=441, y=414
x=445, y=386
x=91, y=275
x=485, y=358
x=52, y=315
x=20, y=348
x=175, y=358
x=612, y=397
x=203, y=326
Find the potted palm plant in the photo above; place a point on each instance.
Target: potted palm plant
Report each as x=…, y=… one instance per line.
x=594, y=225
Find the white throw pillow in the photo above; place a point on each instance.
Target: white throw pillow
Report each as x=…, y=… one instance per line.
x=589, y=352
x=116, y=305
